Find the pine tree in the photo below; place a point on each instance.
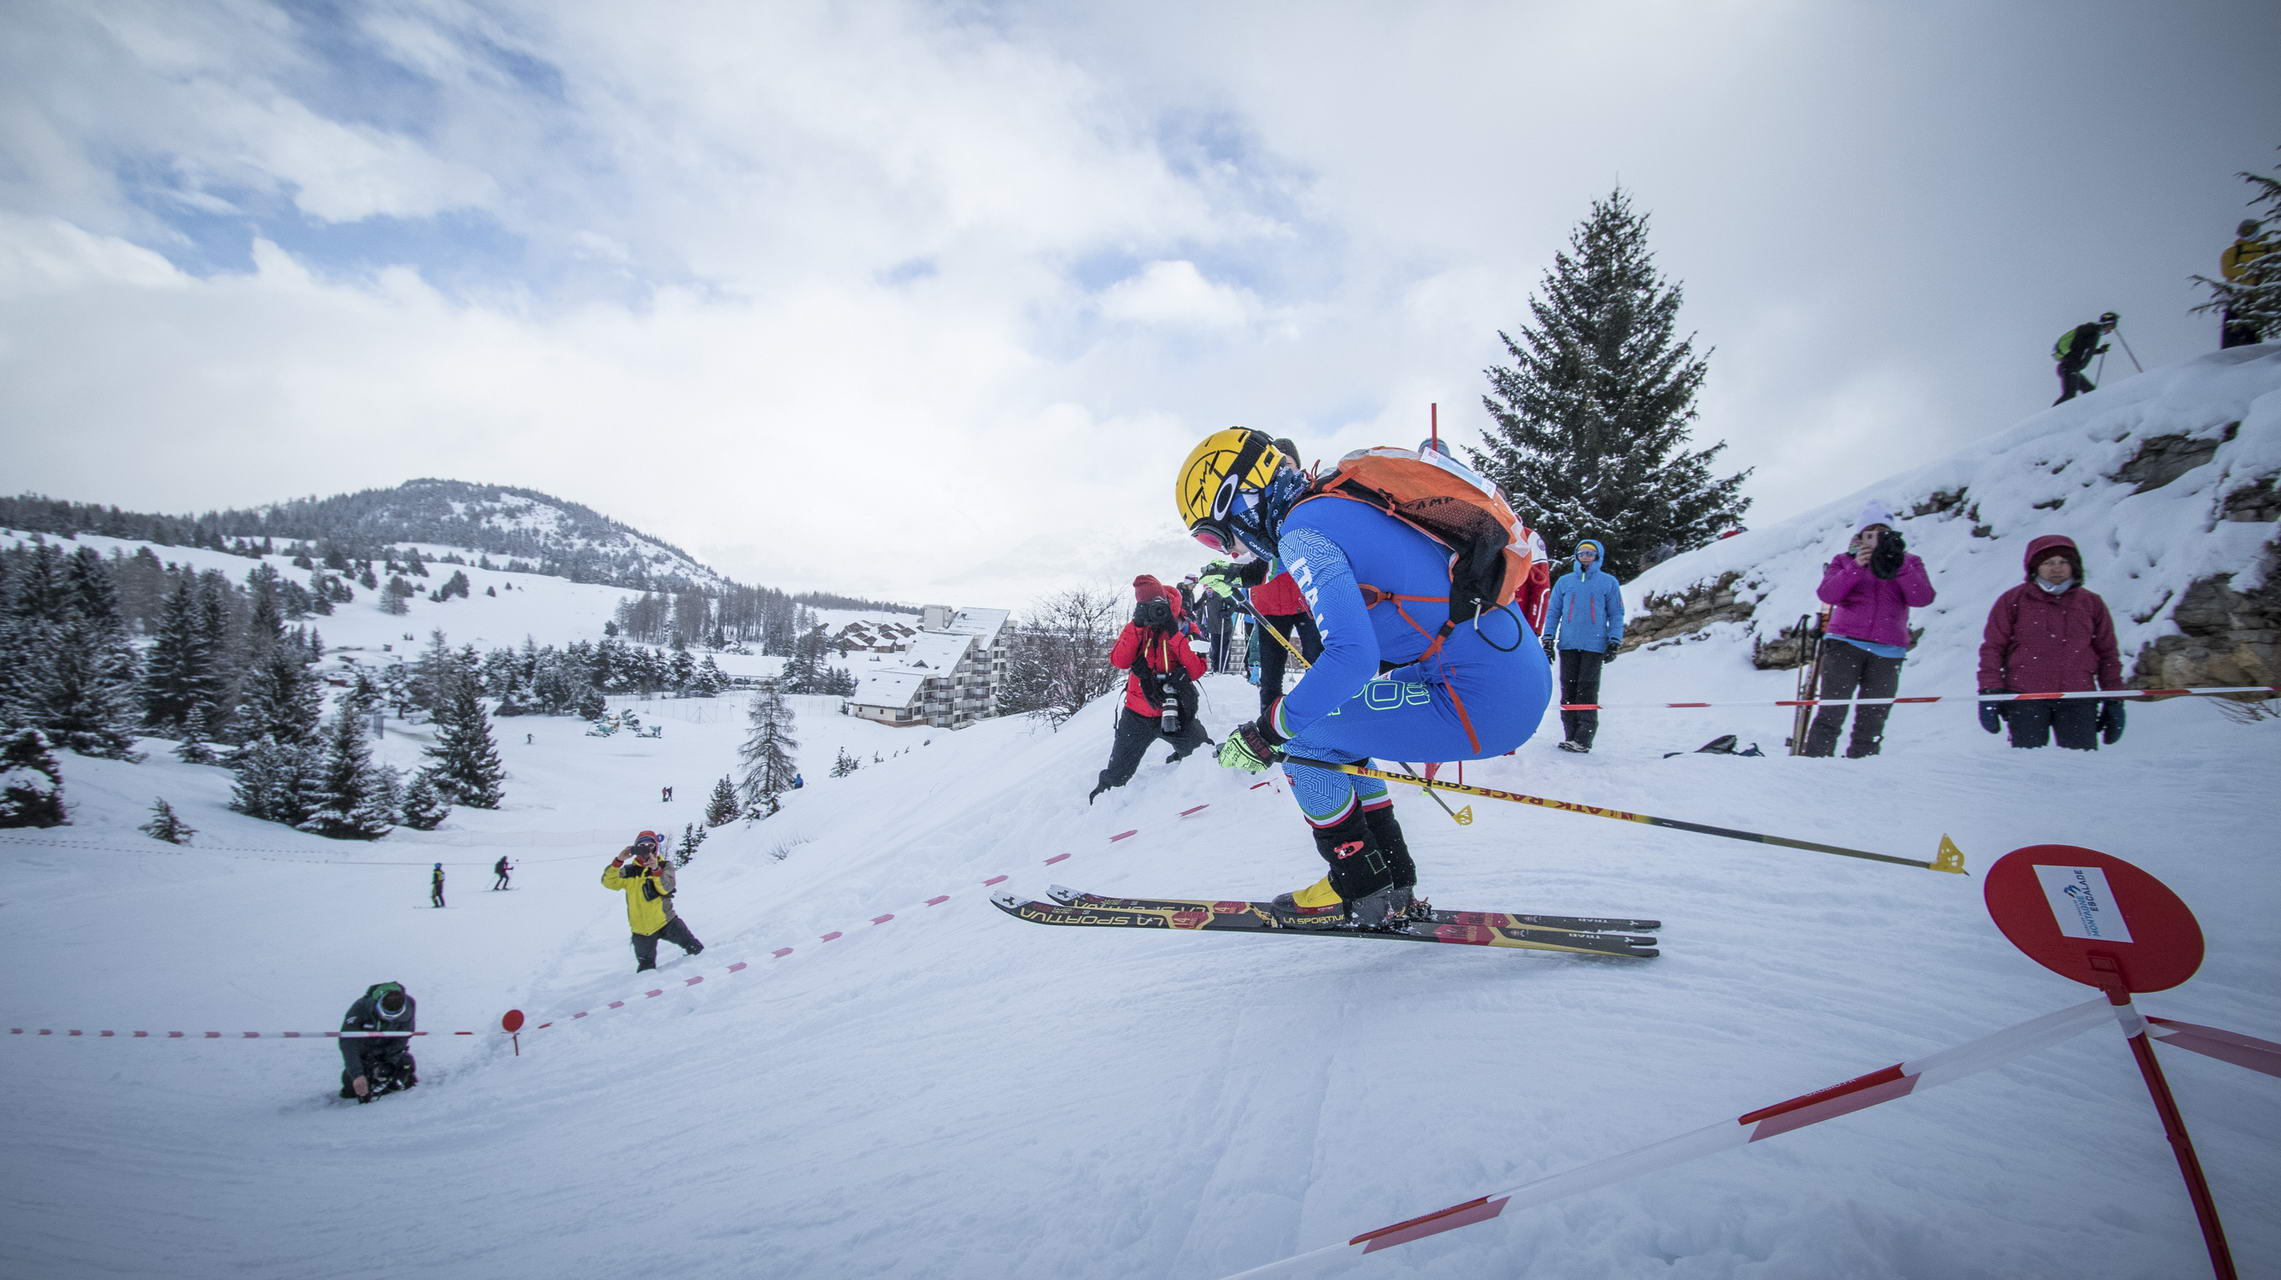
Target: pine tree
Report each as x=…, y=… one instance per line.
x=343, y=793
x=767, y=754
x=691, y=837
x=721, y=809
x=281, y=699
x=424, y=807
x=845, y=764
x=1592, y=418
x=2253, y=299
x=31, y=785
x=179, y=675
x=195, y=748
x=467, y=766
x=92, y=706
x=269, y=777
x=166, y=825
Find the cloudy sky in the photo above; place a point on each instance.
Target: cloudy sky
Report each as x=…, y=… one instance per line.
x=926, y=301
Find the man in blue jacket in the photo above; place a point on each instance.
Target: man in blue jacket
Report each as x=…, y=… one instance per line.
x=1391, y=680
x=1582, y=628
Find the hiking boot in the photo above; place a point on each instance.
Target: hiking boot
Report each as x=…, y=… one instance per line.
x=1577, y=747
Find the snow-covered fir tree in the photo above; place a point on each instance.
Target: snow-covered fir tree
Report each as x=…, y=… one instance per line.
x=344, y=795
x=467, y=767
x=691, y=837
x=845, y=764
x=181, y=675
x=721, y=809
x=1591, y=419
x=269, y=776
x=92, y=703
x=280, y=698
x=424, y=807
x=767, y=754
x=31, y=785
x=165, y=824
x=195, y=746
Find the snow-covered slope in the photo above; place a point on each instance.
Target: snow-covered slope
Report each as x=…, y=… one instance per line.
x=901, y=1080
x=2144, y=538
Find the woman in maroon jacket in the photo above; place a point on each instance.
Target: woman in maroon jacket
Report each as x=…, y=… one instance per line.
x=2049, y=635
x=1164, y=669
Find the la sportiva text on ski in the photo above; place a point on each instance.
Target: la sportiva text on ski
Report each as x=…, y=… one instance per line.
x=1420, y=913
x=1259, y=919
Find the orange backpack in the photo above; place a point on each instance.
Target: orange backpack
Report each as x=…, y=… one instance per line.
x=1495, y=560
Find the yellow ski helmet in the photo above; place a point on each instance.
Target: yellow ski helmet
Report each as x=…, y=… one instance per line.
x=1219, y=484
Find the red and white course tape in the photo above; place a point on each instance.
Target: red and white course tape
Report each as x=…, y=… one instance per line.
x=1896, y=1081
x=235, y=1035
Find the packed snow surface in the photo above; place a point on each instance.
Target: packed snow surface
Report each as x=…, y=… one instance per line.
x=943, y=1091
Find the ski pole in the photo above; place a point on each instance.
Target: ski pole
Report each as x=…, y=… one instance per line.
x=1462, y=817
x=1950, y=858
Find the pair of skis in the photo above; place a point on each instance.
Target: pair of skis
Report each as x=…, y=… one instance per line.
x=1522, y=931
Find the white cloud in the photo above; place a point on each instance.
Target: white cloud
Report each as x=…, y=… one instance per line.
x=1176, y=295
x=708, y=321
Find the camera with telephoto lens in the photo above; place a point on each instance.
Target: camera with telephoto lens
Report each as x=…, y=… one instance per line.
x=1885, y=558
x=1168, y=695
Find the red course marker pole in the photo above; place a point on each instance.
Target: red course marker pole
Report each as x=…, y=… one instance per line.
x=2098, y=920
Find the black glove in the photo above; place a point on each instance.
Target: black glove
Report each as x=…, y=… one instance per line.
x=1992, y=713
x=2111, y=721
x=1885, y=559
x=1609, y=656
x=1550, y=654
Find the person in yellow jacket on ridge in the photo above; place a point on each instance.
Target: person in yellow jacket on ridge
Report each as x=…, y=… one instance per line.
x=646, y=878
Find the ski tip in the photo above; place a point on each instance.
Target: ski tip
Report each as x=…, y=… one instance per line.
x=1062, y=893
x=1005, y=901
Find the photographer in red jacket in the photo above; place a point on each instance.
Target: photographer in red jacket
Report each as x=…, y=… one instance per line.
x=1160, y=692
x=2049, y=635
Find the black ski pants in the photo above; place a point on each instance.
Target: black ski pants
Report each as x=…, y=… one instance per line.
x=2072, y=383
x=1850, y=671
x=675, y=932
x=1299, y=629
x=2075, y=723
x=1134, y=734
x=1580, y=682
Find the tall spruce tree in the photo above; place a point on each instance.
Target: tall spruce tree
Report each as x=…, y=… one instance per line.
x=467, y=769
x=1591, y=419
x=343, y=792
x=767, y=753
x=179, y=674
x=31, y=785
x=92, y=704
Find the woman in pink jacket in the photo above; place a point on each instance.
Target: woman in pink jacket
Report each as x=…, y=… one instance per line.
x=2049, y=635
x=1870, y=589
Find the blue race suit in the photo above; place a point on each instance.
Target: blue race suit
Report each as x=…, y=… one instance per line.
x=1481, y=694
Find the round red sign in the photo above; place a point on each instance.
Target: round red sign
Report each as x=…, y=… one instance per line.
x=2093, y=918
x=512, y=1022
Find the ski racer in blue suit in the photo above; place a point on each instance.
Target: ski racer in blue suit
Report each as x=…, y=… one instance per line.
x=1389, y=682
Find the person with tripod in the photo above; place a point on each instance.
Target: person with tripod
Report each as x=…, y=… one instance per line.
x=2074, y=350
x=1160, y=691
